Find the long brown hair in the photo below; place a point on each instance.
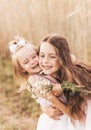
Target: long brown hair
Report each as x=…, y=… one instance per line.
x=78, y=73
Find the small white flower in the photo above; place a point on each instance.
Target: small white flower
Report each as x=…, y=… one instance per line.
x=41, y=86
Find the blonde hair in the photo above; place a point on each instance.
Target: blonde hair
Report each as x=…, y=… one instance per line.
x=14, y=46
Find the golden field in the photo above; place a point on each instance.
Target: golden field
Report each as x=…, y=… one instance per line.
x=33, y=19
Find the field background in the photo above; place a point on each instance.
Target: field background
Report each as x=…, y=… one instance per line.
x=33, y=19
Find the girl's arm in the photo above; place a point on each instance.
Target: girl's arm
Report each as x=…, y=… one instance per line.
x=59, y=104
x=57, y=90
x=53, y=112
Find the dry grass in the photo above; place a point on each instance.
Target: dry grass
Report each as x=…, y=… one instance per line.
x=18, y=111
x=34, y=19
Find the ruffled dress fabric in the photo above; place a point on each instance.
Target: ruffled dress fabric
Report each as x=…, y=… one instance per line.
x=47, y=123
x=64, y=123
x=88, y=118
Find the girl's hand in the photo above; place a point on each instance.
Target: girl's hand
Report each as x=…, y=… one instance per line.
x=51, y=97
x=57, y=89
x=53, y=112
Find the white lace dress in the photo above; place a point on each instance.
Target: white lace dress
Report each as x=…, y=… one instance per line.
x=47, y=123
x=64, y=123
x=88, y=118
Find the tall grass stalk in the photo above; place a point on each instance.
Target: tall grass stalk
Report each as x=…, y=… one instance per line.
x=34, y=19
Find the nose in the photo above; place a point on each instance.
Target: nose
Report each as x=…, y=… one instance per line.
x=33, y=61
x=45, y=60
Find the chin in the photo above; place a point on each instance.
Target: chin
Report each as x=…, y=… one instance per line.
x=46, y=72
x=49, y=73
x=38, y=70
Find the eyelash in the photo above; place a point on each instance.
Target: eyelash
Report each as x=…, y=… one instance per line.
x=34, y=56
x=26, y=62
x=42, y=56
x=53, y=57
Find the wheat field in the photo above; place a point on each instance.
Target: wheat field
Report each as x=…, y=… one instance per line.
x=33, y=19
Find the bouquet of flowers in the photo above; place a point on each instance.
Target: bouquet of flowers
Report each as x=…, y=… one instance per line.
x=74, y=88
x=41, y=86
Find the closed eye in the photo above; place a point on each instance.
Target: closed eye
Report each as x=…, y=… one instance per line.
x=41, y=56
x=26, y=61
x=53, y=56
x=34, y=56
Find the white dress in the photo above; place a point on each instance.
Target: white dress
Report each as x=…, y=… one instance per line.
x=88, y=119
x=47, y=123
x=87, y=124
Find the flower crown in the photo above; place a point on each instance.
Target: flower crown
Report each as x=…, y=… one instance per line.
x=14, y=45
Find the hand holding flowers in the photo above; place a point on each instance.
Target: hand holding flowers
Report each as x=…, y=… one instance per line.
x=43, y=87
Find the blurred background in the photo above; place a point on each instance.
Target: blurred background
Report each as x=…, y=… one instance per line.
x=33, y=19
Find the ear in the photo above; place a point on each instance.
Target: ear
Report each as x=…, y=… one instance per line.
x=25, y=72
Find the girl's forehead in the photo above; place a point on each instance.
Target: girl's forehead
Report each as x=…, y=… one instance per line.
x=26, y=49
x=48, y=47
x=46, y=44
x=25, y=52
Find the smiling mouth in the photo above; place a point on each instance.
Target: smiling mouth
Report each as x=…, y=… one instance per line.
x=47, y=67
x=35, y=66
